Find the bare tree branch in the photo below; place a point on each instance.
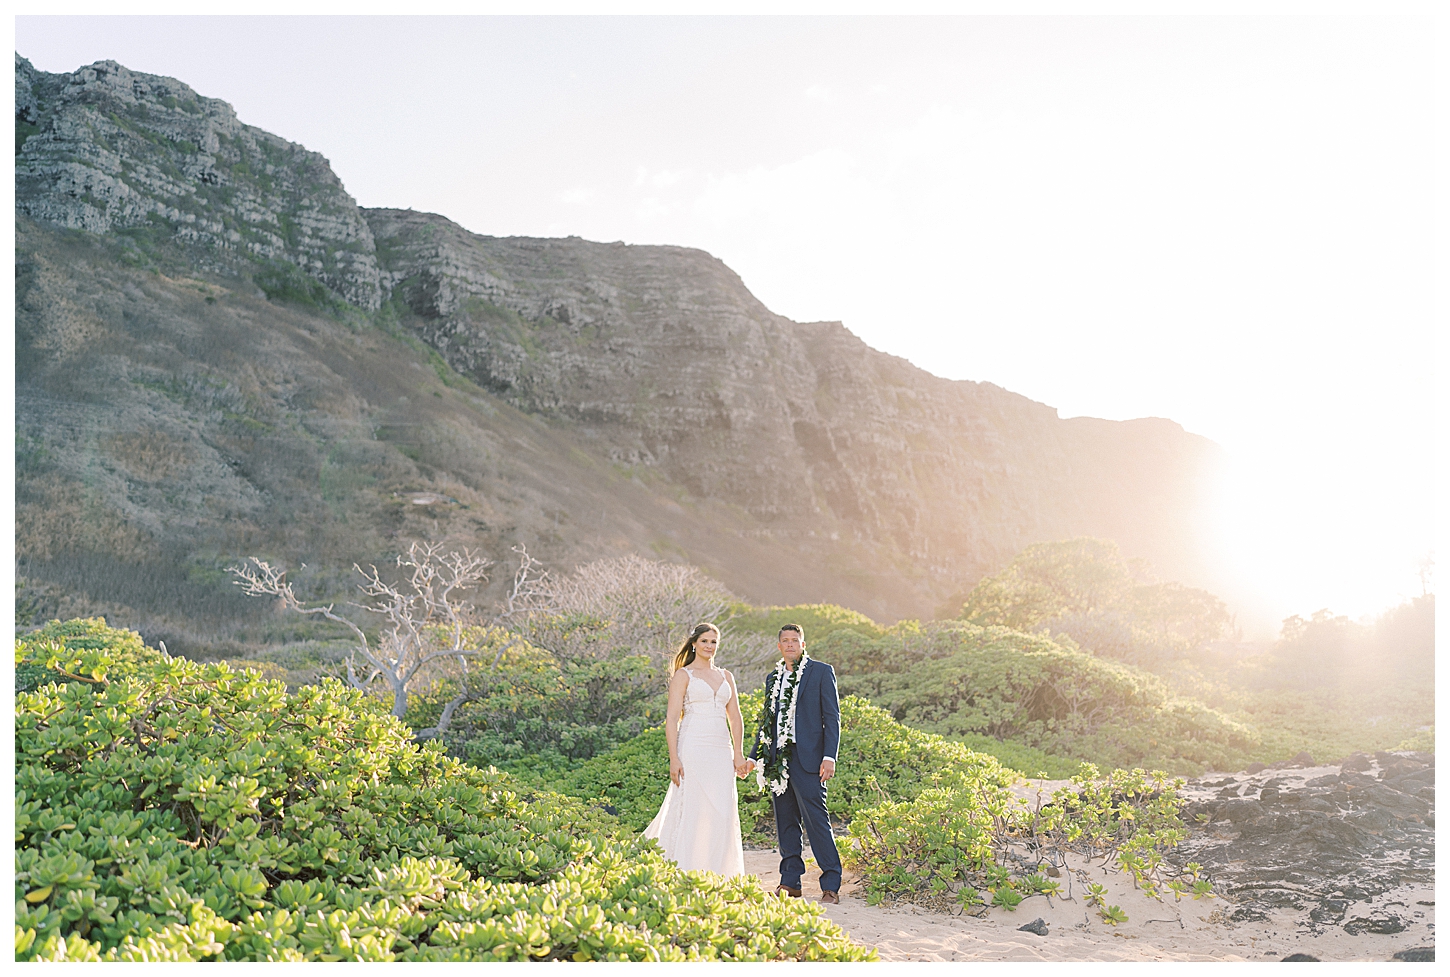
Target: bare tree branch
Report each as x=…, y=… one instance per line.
x=628, y=602
x=530, y=580
x=431, y=732
x=425, y=617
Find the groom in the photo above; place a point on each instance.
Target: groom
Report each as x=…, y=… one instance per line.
x=800, y=731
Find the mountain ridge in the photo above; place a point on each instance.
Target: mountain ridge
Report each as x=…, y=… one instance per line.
x=898, y=488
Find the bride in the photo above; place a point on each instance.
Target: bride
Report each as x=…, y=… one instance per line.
x=698, y=825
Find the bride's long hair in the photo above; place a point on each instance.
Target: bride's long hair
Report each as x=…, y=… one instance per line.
x=686, y=654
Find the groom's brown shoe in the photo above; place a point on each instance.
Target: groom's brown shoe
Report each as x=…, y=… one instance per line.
x=785, y=890
x=830, y=898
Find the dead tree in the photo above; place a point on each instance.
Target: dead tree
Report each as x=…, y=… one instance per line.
x=426, y=619
x=530, y=583
x=646, y=606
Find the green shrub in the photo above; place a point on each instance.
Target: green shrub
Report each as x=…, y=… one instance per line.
x=960, y=680
x=949, y=843
x=631, y=779
x=170, y=810
x=1330, y=650
x=534, y=712
x=818, y=620
x=1328, y=723
x=284, y=282
x=1029, y=761
x=879, y=760
x=1422, y=740
x=1107, y=604
x=123, y=649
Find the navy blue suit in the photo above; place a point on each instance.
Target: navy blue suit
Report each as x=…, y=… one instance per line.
x=817, y=735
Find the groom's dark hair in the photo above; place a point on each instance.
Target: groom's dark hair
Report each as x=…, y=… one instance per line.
x=791, y=627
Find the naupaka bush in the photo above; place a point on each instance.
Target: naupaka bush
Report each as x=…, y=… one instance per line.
x=879, y=760
x=170, y=810
x=982, y=844
x=961, y=680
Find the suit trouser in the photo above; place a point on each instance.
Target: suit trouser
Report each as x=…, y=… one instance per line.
x=804, y=800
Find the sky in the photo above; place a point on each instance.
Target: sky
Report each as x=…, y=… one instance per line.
x=1227, y=221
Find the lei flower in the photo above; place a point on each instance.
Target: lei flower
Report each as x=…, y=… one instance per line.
x=776, y=727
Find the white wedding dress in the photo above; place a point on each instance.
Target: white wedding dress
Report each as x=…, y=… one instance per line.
x=698, y=825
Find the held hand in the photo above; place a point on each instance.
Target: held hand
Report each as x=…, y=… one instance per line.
x=828, y=769
x=677, y=771
x=743, y=766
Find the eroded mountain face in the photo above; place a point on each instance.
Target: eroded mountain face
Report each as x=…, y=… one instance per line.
x=212, y=337
x=109, y=150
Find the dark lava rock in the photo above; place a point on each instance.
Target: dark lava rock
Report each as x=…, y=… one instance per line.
x=1239, y=809
x=1416, y=954
x=1425, y=775
x=1317, y=850
x=1300, y=958
x=1329, y=912
x=1400, y=768
x=1354, y=779
x=1303, y=759
x=1357, y=762
x=1379, y=922
x=1038, y=926
x=1255, y=768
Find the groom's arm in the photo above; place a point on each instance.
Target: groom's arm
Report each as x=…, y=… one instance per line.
x=831, y=714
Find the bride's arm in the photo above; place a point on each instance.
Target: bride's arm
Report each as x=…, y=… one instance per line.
x=673, y=711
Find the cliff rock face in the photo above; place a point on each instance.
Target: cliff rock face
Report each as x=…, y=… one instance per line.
x=665, y=359
x=218, y=353
x=109, y=150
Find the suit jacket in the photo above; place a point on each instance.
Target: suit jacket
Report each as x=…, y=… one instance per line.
x=817, y=716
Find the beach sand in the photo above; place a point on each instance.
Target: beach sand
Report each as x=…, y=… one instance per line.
x=1187, y=930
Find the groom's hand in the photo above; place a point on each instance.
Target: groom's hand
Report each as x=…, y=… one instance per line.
x=828, y=769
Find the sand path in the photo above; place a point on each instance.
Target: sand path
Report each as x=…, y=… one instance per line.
x=1188, y=930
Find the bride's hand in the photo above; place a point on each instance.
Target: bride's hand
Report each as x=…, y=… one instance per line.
x=677, y=772
x=743, y=766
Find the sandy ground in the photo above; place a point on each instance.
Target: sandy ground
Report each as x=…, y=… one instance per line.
x=1188, y=930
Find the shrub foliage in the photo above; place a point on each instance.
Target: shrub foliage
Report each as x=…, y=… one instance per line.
x=169, y=810
x=982, y=845
x=960, y=680
x=879, y=760
x=925, y=818
x=1107, y=604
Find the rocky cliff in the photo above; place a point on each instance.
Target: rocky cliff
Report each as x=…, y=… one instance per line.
x=218, y=352
x=664, y=359
x=112, y=151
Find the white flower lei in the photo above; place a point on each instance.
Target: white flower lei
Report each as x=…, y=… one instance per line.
x=786, y=681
